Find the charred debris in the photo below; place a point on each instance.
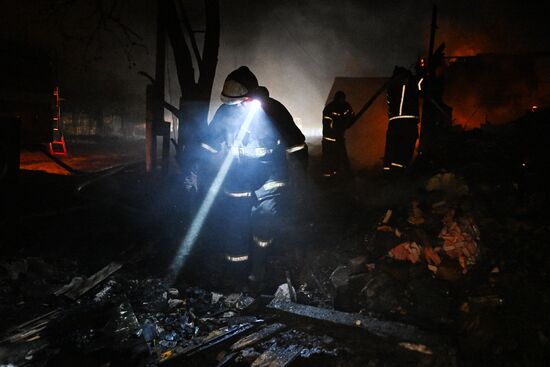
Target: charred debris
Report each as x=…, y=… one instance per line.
x=449, y=268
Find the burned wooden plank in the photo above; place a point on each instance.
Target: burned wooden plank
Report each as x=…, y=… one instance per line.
x=396, y=331
x=78, y=286
x=257, y=336
x=232, y=333
x=30, y=329
x=278, y=357
x=216, y=341
x=20, y=343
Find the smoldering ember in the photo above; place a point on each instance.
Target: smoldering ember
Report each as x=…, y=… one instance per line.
x=274, y=183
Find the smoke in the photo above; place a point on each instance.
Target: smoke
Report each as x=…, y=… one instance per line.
x=298, y=48
x=493, y=27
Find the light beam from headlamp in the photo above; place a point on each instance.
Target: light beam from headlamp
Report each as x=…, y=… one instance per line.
x=197, y=223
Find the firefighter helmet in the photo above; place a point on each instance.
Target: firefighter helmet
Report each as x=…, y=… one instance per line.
x=238, y=85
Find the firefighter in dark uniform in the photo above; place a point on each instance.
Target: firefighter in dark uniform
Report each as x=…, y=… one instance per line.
x=402, y=132
x=251, y=192
x=338, y=116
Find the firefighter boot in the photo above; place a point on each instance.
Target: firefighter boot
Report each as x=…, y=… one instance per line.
x=236, y=274
x=258, y=266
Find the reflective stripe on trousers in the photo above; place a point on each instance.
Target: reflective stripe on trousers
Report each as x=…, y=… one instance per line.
x=251, y=152
x=208, y=148
x=238, y=194
x=236, y=259
x=270, y=185
x=263, y=243
x=295, y=148
x=403, y=117
x=393, y=165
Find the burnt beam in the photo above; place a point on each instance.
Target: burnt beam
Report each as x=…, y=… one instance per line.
x=356, y=326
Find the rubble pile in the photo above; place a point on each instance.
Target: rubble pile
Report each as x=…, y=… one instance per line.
x=118, y=320
x=149, y=322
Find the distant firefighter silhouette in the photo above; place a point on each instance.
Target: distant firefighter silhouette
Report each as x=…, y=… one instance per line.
x=338, y=116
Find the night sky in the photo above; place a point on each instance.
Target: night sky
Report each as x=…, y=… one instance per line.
x=296, y=48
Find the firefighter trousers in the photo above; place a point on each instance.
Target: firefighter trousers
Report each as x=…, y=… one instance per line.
x=250, y=225
x=335, y=157
x=401, y=139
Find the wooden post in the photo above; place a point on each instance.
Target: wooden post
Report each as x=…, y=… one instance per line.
x=433, y=28
x=165, y=147
x=150, y=137
x=159, y=85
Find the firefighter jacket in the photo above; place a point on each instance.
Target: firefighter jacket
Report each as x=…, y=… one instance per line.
x=403, y=97
x=337, y=118
x=282, y=120
x=258, y=158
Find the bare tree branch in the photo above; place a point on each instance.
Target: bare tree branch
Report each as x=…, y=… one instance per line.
x=210, y=48
x=184, y=64
x=104, y=20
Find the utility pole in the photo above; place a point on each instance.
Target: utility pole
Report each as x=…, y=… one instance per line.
x=426, y=126
x=433, y=28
